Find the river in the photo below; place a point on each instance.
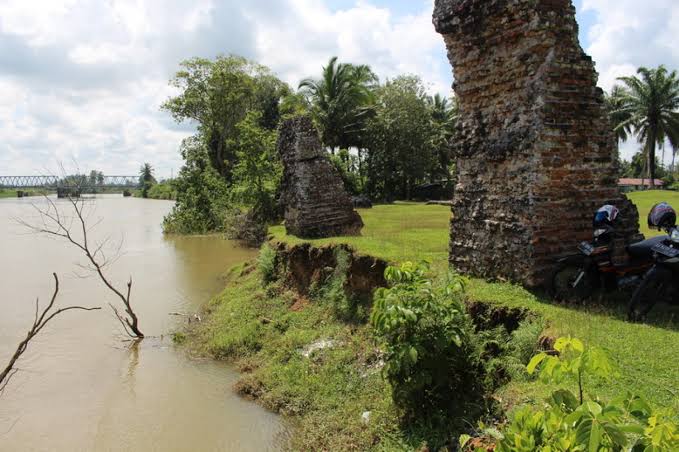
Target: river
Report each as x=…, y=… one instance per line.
x=81, y=386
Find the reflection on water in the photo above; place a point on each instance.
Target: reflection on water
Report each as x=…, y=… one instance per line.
x=81, y=386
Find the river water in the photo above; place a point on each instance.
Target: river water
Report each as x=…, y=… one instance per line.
x=81, y=386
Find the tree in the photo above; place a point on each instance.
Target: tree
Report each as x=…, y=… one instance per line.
x=202, y=194
x=258, y=170
x=401, y=139
x=340, y=102
x=73, y=228
x=40, y=319
x=217, y=95
x=146, y=179
x=96, y=178
x=616, y=114
x=444, y=114
x=648, y=106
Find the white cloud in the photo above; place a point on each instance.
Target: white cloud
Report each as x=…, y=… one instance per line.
x=629, y=34
x=84, y=79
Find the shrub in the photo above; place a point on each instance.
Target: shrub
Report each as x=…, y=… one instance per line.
x=569, y=422
x=266, y=263
x=431, y=360
x=163, y=190
x=330, y=290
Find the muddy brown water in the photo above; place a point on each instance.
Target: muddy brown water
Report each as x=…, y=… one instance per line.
x=80, y=386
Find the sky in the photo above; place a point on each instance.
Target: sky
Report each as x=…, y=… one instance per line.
x=82, y=81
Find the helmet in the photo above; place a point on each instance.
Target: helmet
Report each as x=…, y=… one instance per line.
x=605, y=216
x=661, y=216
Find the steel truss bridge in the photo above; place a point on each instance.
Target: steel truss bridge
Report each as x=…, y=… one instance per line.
x=82, y=183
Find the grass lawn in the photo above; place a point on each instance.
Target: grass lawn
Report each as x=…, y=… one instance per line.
x=396, y=233
x=645, y=354
x=646, y=199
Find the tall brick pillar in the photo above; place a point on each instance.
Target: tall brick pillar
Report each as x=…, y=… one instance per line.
x=535, y=151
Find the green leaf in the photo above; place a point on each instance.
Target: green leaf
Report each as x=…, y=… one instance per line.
x=464, y=439
x=564, y=399
x=535, y=362
x=413, y=354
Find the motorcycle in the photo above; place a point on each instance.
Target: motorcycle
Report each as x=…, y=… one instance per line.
x=660, y=283
x=578, y=276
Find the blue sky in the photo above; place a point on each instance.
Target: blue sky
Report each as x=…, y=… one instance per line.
x=82, y=80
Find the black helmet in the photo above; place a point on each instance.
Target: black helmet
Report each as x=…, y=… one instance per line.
x=605, y=217
x=662, y=216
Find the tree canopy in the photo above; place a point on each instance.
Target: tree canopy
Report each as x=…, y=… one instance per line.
x=647, y=105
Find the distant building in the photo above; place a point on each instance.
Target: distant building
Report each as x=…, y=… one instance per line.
x=628, y=185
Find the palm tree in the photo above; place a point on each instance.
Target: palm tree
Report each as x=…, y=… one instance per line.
x=648, y=107
x=444, y=114
x=614, y=105
x=146, y=179
x=341, y=101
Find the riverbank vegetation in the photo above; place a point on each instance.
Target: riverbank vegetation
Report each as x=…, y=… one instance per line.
x=370, y=128
x=12, y=192
x=432, y=355
x=339, y=390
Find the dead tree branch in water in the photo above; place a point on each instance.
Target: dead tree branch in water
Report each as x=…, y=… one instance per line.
x=56, y=224
x=40, y=319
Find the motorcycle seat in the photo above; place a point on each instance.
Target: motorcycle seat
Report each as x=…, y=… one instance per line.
x=642, y=250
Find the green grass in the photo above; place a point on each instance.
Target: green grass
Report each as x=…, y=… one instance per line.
x=644, y=200
x=261, y=332
x=646, y=354
x=264, y=331
x=396, y=233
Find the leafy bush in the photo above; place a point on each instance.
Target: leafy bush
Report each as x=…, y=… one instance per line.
x=266, y=263
x=202, y=194
x=331, y=291
x=431, y=360
x=569, y=422
x=162, y=190
x=347, y=167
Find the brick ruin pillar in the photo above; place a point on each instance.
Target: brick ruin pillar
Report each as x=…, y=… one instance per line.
x=536, y=155
x=313, y=195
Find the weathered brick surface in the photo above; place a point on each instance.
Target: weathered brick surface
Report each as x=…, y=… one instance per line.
x=316, y=203
x=535, y=152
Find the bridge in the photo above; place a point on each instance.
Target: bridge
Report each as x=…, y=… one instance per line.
x=69, y=185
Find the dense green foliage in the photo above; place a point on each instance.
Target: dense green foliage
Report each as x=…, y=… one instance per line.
x=647, y=106
x=571, y=422
x=384, y=140
x=163, y=190
x=257, y=170
x=202, y=194
x=218, y=95
x=430, y=359
x=230, y=164
x=341, y=103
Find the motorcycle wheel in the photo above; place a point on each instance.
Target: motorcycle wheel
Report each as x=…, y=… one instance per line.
x=649, y=292
x=562, y=280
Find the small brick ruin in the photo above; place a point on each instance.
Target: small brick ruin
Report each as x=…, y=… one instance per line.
x=313, y=195
x=536, y=155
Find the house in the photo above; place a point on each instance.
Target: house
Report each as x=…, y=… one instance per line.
x=627, y=185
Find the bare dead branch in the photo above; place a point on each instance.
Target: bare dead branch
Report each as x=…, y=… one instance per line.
x=56, y=224
x=40, y=319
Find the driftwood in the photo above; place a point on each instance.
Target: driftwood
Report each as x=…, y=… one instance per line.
x=40, y=319
x=56, y=224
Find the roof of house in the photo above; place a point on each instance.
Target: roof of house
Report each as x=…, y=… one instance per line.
x=636, y=182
